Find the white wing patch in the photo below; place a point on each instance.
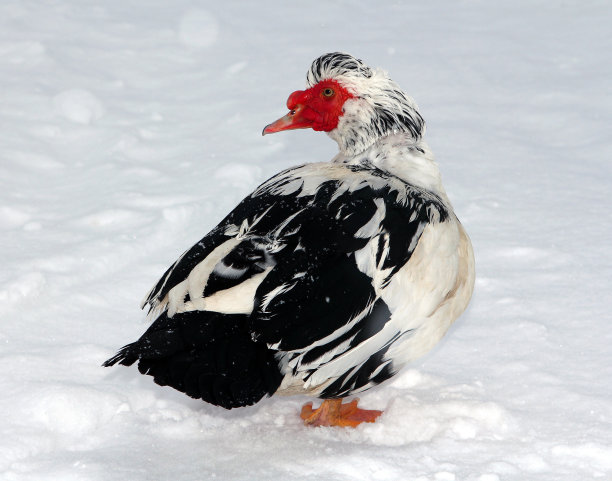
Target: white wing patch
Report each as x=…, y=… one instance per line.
x=238, y=299
x=195, y=283
x=366, y=261
x=229, y=272
x=373, y=225
x=235, y=300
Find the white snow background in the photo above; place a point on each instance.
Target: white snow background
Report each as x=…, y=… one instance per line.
x=128, y=129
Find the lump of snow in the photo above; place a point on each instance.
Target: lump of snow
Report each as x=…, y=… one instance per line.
x=28, y=285
x=79, y=106
x=236, y=68
x=237, y=172
x=489, y=477
x=27, y=52
x=72, y=410
x=11, y=217
x=122, y=218
x=588, y=455
x=198, y=29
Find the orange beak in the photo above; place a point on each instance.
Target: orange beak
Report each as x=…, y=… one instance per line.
x=293, y=120
x=299, y=117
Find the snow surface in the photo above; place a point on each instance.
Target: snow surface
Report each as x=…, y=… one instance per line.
x=129, y=128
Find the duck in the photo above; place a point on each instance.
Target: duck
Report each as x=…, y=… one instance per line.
x=329, y=277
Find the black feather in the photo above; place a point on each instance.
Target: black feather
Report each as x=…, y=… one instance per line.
x=206, y=355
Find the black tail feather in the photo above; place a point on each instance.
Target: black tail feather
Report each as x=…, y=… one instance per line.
x=206, y=355
x=124, y=356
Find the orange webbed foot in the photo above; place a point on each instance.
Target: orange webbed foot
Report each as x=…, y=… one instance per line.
x=333, y=413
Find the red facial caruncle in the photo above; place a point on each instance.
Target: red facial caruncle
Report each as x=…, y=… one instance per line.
x=318, y=108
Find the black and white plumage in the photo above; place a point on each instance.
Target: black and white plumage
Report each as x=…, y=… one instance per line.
x=329, y=277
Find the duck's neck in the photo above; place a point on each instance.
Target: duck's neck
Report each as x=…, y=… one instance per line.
x=403, y=157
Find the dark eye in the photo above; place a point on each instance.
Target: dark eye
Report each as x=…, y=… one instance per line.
x=328, y=92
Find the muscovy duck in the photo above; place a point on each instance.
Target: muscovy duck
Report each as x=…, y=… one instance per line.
x=330, y=276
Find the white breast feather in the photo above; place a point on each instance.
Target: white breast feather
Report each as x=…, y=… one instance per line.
x=431, y=290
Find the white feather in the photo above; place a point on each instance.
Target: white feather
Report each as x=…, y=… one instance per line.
x=373, y=225
x=238, y=299
x=267, y=298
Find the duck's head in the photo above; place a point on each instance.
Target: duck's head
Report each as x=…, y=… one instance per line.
x=355, y=104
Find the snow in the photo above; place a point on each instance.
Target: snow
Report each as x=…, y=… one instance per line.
x=130, y=128
x=198, y=29
x=78, y=106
